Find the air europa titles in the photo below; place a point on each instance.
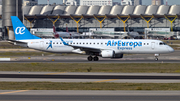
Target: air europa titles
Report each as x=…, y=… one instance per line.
x=124, y=45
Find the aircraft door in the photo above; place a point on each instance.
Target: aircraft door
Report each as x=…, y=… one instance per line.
x=153, y=45
x=42, y=44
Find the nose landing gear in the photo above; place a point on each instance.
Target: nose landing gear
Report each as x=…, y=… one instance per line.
x=90, y=58
x=156, y=56
x=156, y=59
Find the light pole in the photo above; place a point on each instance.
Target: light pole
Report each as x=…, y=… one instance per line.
x=48, y=2
x=17, y=8
x=23, y=11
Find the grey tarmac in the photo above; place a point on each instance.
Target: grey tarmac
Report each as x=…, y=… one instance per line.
x=72, y=58
x=158, y=77
x=70, y=95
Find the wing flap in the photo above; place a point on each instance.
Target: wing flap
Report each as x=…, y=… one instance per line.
x=83, y=48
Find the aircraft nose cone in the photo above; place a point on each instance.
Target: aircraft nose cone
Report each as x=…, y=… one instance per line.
x=170, y=49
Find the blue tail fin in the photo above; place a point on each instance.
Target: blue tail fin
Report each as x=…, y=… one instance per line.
x=20, y=31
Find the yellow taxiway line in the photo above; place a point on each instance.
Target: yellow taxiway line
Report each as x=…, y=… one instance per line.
x=14, y=92
x=106, y=80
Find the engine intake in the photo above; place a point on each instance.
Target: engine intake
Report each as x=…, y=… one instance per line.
x=110, y=54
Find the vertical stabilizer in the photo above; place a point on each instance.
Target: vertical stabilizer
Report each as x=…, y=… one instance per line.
x=20, y=31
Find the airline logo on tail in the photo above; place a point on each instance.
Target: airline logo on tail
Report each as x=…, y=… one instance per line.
x=20, y=30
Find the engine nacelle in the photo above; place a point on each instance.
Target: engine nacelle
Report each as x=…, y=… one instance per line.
x=118, y=56
x=108, y=54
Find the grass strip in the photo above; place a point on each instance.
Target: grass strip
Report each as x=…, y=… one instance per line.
x=172, y=41
x=87, y=86
x=96, y=67
x=175, y=47
x=6, y=45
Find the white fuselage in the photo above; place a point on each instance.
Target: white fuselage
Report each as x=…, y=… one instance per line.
x=120, y=46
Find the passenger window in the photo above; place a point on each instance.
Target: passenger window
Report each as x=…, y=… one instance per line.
x=57, y=42
x=147, y=43
x=144, y=43
x=87, y=43
x=46, y=42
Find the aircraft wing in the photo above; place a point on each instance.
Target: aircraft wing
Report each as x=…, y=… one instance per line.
x=82, y=48
x=17, y=41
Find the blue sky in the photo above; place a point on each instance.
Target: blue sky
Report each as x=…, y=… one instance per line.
x=145, y=2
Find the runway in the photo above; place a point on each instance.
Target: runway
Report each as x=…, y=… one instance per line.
x=38, y=95
x=85, y=61
x=87, y=76
x=73, y=58
x=90, y=77
x=87, y=98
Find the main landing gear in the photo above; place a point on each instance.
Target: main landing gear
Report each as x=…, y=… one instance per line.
x=90, y=58
x=156, y=57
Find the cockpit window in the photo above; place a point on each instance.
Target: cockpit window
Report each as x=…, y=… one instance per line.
x=162, y=43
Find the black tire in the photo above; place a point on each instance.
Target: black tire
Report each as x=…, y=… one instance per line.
x=90, y=58
x=156, y=59
x=96, y=58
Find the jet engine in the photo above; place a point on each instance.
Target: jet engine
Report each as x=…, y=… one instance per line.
x=108, y=54
x=118, y=56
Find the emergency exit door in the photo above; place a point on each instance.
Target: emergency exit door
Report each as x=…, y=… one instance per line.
x=153, y=45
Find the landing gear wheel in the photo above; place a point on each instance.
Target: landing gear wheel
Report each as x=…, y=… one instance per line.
x=156, y=56
x=96, y=58
x=90, y=58
x=156, y=59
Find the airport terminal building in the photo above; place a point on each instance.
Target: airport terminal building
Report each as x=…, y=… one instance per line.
x=121, y=18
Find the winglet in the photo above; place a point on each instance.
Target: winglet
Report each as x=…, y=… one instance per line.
x=64, y=42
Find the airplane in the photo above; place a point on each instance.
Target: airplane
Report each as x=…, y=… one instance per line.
x=95, y=48
x=64, y=34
